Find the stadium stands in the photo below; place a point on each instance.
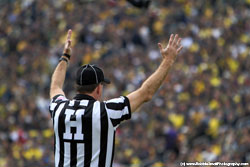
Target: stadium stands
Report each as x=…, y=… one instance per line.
x=200, y=114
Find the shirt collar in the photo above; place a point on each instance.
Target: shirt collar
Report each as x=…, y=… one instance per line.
x=83, y=97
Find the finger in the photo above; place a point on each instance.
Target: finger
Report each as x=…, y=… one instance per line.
x=179, y=41
x=179, y=49
x=171, y=39
x=160, y=46
x=175, y=39
x=69, y=34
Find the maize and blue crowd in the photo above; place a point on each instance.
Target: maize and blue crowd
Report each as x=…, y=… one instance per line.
x=200, y=114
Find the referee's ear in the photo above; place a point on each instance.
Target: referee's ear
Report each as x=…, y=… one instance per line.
x=98, y=91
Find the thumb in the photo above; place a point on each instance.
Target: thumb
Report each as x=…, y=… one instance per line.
x=160, y=46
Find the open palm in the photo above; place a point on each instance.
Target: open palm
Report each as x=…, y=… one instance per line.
x=172, y=49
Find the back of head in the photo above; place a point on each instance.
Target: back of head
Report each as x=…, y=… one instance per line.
x=88, y=77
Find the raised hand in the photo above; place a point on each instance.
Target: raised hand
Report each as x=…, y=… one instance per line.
x=173, y=48
x=67, y=46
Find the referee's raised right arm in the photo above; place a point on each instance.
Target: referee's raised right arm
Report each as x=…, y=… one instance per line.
x=152, y=84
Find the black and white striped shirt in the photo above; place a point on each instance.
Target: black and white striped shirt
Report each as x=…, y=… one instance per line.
x=85, y=129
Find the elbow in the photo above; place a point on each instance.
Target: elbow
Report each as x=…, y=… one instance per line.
x=146, y=93
x=148, y=98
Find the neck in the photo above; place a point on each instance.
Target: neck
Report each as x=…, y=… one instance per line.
x=93, y=94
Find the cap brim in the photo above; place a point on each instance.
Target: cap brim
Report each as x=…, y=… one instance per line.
x=106, y=81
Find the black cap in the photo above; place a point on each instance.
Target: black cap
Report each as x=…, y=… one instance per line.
x=90, y=74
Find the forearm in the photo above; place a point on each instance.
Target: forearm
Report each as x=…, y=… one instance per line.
x=152, y=84
x=58, y=77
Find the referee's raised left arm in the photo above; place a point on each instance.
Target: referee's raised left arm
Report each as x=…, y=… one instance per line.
x=58, y=76
x=152, y=83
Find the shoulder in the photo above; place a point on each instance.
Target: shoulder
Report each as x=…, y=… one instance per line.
x=118, y=110
x=117, y=103
x=121, y=99
x=55, y=102
x=58, y=98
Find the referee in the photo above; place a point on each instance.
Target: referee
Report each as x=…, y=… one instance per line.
x=84, y=127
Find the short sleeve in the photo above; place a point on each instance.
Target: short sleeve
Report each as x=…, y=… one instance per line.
x=118, y=110
x=54, y=103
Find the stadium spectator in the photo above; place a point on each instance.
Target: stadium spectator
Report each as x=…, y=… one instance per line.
x=206, y=100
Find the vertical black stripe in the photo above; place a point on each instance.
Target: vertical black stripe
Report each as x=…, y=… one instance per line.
x=104, y=135
x=54, y=135
x=53, y=113
x=87, y=131
x=113, y=151
x=61, y=130
x=54, y=144
x=73, y=154
x=73, y=144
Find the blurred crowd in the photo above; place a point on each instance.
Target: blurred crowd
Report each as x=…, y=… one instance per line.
x=200, y=114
